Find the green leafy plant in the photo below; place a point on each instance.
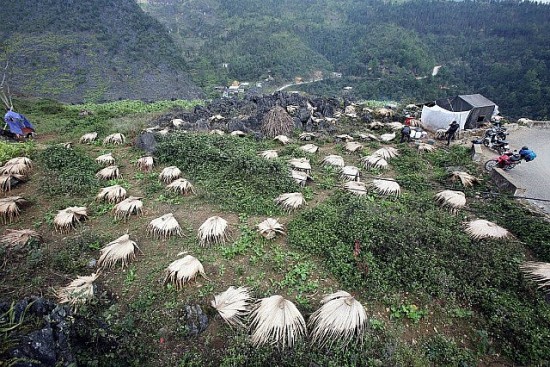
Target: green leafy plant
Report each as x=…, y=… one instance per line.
x=68, y=172
x=409, y=311
x=222, y=164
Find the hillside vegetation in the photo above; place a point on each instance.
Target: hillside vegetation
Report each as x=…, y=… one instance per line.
x=433, y=295
x=498, y=49
x=90, y=51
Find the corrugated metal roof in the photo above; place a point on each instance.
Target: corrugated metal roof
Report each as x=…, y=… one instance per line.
x=477, y=100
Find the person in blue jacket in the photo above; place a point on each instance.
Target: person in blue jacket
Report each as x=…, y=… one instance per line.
x=527, y=154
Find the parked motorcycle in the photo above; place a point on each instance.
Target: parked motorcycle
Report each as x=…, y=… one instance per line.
x=495, y=133
x=501, y=146
x=505, y=161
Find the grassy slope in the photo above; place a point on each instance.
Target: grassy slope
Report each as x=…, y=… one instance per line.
x=433, y=296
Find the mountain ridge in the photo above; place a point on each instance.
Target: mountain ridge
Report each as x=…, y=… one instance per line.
x=383, y=50
x=91, y=51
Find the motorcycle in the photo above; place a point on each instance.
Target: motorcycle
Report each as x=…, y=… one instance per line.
x=505, y=161
x=495, y=133
x=501, y=146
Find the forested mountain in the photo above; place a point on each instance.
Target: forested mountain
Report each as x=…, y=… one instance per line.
x=382, y=49
x=90, y=50
x=103, y=50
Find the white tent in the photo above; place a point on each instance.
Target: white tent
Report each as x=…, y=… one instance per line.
x=434, y=118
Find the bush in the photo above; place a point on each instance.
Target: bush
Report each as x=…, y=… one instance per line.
x=12, y=150
x=533, y=231
x=414, y=246
x=68, y=172
x=444, y=352
x=229, y=170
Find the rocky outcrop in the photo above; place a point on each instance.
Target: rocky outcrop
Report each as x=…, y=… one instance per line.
x=41, y=333
x=246, y=114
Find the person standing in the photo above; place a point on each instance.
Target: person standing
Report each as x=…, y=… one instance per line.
x=453, y=127
x=405, y=134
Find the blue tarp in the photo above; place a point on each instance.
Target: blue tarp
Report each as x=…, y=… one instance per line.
x=17, y=123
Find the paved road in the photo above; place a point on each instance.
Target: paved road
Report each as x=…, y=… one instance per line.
x=534, y=175
x=291, y=84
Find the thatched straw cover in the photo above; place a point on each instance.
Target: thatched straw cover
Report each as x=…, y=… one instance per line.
x=181, y=271
x=88, y=138
x=238, y=133
x=340, y=318
x=233, y=305
x=213, y=231
x=277, y=321
x=109, y=173
x=291, y=201
x=451, y=199
x=300, y=177
x=387, y=153
x=116, y=139
x=344, y=137
x=106, y=159
x=310, y=148
x=217, y=132
x=387, y=137
x=20, y=160
x=15, y=168
x=69, y=218
x=353, y=146
x=130, y=206
x=270, y=227
x=386, y=187
x=277, y=122
x=368, y=137
x=481, y=228
x=465, y=178
x=181, y=186
x=307, y=136
x=9, y=181
x=301, y=164
x=17, y=239
x=375, y=161
x=269, y=154
x=145, y=164
x=538, y=272
x=283, y=139
x=77, y=292
x=122, y=249
x=350, y=173
x=356, y=187
x=333, y=160
x=423, y=147
x=169, y=174
x=10, y=208
x=112, y=194
x=164, y=227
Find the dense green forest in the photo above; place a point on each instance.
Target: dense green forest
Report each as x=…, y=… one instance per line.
x=382, y=49
x=90, y=50
x=98, y=50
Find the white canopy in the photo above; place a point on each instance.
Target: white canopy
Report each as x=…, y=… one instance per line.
x=434, y=118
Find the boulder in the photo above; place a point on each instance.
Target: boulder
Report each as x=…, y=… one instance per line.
x=194, y=319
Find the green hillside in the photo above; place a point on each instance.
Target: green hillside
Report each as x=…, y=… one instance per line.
x=382, y=49
x=432, y=294
x=90, y=51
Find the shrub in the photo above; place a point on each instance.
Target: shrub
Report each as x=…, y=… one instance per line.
x=11, y=150
x=68, y=171
x=442, y=351
x=229, y=170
